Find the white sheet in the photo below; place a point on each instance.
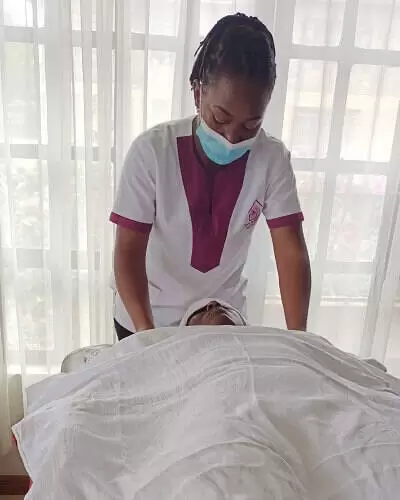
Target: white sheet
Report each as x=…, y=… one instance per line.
x=238, y=413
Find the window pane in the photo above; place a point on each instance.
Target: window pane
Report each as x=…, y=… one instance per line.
x=34, y=308
x=378, y=24
x=18, y=12
x=310, y=186
x=1, y=117
x=5, y=219
x=318, y=22
x=350, y=286
x=308, y=110
x=137, y=81
x=78, y=118
x=40, y=6
x=10, y=320
x=212, y=10
x=335, y=320
x=30, y=195
x=43, y=95
x=22, y=110
x=92, y=185
x=78, y=115
x=371, y=113
x=342, y=309
x=356, y=218
x=392, y=360
x=164, y=16
x=161, y=82
x=76, y=14
x=138, y=16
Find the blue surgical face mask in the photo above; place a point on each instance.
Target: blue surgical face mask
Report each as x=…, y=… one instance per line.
x=218, y=149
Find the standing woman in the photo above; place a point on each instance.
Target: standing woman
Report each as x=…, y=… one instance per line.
x=192, y=190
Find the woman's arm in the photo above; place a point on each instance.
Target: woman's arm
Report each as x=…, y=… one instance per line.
x=294, y=272
x=131, y=277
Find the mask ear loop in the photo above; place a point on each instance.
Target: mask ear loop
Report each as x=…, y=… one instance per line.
x=200, y=103
x=198, y=106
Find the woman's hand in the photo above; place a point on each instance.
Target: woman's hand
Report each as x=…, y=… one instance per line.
x=144, y=327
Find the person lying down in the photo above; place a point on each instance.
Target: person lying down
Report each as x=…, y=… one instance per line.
x=215, y=412
x=218, y=312
x=210, y=312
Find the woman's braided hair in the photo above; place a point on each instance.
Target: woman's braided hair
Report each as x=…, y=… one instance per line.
x=238, y=45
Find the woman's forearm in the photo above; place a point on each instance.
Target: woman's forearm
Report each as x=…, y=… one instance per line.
x=294, y=274
x=295, y=286
x=131, y=277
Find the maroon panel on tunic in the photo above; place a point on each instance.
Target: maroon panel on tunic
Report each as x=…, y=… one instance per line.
x=212, y=194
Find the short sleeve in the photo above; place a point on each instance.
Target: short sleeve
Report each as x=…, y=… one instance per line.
x=134, y=206
x=281, y=204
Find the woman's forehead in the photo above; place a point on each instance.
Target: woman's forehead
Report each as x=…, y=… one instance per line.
x=238, y=96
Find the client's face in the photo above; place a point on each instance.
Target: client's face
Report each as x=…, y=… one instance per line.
x=212, y=314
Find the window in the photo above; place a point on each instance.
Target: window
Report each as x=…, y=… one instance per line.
x=341, y=110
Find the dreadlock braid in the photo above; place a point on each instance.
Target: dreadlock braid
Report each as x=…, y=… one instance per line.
x=236, y=45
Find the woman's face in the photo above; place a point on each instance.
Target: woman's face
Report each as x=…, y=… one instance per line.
x=232, y=106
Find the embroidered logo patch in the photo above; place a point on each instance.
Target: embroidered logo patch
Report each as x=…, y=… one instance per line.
x=254, y=214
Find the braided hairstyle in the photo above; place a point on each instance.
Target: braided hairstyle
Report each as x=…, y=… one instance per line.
x=238, y=45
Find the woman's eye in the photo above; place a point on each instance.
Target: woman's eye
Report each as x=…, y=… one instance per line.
x=219, y=121
x=252, y=126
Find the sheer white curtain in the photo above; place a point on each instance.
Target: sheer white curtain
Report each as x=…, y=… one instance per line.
x=5, y=440
x=81, y=78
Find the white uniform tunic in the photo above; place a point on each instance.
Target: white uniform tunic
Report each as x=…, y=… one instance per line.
x=200, y=219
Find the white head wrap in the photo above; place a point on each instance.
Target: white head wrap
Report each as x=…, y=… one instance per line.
x=235, y=315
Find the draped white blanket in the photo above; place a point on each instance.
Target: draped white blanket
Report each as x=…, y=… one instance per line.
x=206, y=413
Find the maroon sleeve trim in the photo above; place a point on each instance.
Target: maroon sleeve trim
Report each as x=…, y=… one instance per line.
x=287, y=220
x=140, y=227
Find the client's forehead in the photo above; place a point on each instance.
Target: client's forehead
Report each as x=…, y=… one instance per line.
x=211, y=311
x=202, y=309
x=211, y=303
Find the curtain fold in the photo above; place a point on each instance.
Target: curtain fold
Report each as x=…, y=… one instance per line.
x=5, y=421
x=79, y=79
